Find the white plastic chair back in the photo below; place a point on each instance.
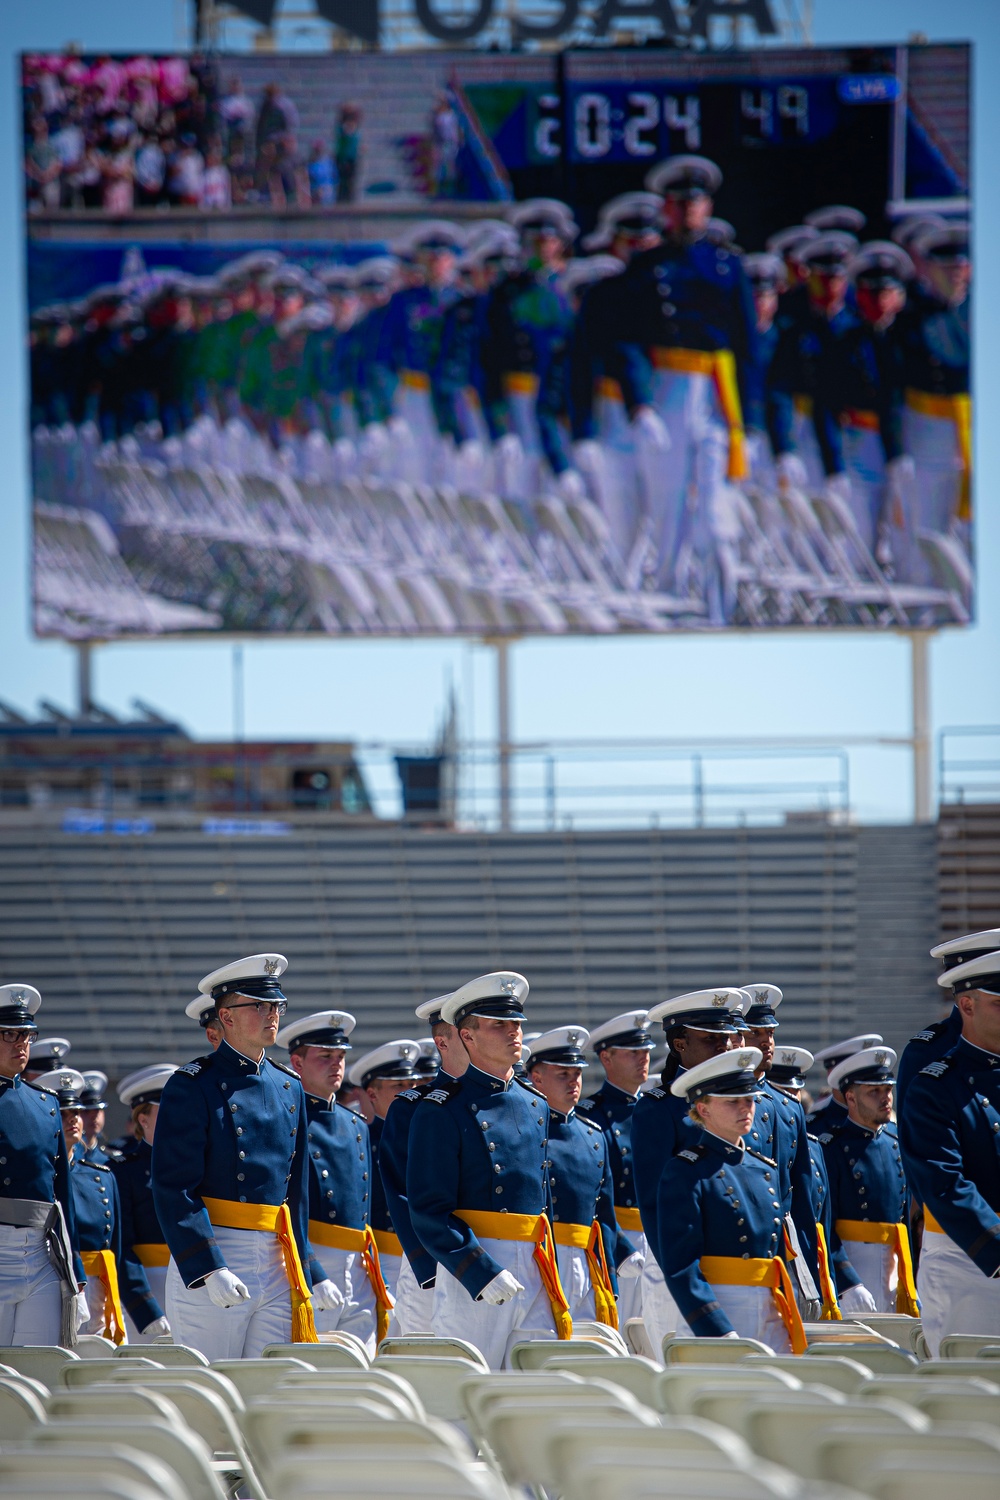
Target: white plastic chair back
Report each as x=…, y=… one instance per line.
x=163, y=1352
x=678, y=1351
x=322, y=1356
x=676, y=1387
x=20, y=1408
x=41, y=1361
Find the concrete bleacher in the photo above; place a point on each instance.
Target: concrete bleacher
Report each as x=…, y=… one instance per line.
x=116, y=931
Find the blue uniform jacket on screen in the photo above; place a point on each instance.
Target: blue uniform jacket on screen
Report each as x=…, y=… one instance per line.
x=340, y=1168
x=926, y=1047
x=949, y=1133
x=233, y=1129
x=612, y=1108
x=94, y=1153
x=844, y=1274
x=825, y=1115
x=580, y=1182
x=378, y=1211
x=779, y=1130
x=660, y=1127
x=140, y=1226
x=34, y=1163
x=98, y=1210
x=721, y=1200
x=866, y=1175
x=806, y=363
x=937, y=347
x=475, y=1143
x=393, y=1154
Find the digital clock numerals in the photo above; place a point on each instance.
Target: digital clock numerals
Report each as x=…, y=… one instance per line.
x=647, y=126
x=778, y=114
x=548, y=127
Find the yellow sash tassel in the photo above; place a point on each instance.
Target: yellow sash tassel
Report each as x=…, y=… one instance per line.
x=720, y=365
x=588, y=1238
x=363, y=1242
x=276, y=1219
x=151, y=1255
x=958, y=410
x=415, y=380
x=731, y=1270
x=831, y=1311
x=527, y=1227
x=866, y=1233
x=629, y=1219
x=101, y=1265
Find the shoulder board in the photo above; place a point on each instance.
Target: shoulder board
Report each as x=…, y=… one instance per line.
x=825, y=1138
x=936, y=1069
x=412, y=1094
x=442, y=1093
x=586, y=1120
x=194, y=1067
x=691, y=1153
x=811, y=1137
x=283, y=1069
x=923, y=1036
x=655, y=1094
x=40, y=1088
x=530, y=1088
x=759, y=1155
x=94, y=1166
x=585, y=1104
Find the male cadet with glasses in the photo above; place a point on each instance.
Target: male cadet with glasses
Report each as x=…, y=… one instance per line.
x=831, y=1109
x=40, y=1272
x=415, y=1282
x=868, y=1193
x=383, y=1074
x=949, y=1132
x=477, y=1184
x=623, y=1045
x=779, y=1130
x=231, y=1179
x=340, y=1175
x=697, y=1026
x=788, y=1075
x=142, y=1270
x=940, y=1036
x=202, y=1009
x=590, y=1244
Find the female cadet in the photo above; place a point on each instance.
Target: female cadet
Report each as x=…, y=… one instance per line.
x=144, y=1252
x=723, y=1203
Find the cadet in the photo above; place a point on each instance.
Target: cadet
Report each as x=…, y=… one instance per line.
x=721, y=1199
x=98, y=1212
x=941, y=1035
x=686, y=338
x=92, y=1107
x=382, y=1074
x=698, y=1025
x=623, y=1046
x=477, y=1185
x=590, y=1244
x=46, y=1054
x=415, y=1282
x=202, y=1009
x=948, y=1133
x=231, y=1178
x=340, y=1178
x=831, y=1109
x=40, y=1272
x=142, y=1268
x=868, y=1194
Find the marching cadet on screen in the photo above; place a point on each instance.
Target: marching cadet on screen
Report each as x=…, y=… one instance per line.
x=698, y=1026
x=949, y=1132
x=92, y=1106
x=383, y=1074
x=623, y=1046
x=830, y=1110
x=722, y=1256
x=98, y=1212
x=477, y=1185
x=40, y=1272
x=202, y=1009
x=941, y=1035
x=868, y=1194
x=142, y=1266
x=415, y=1283
x=340, y=1178
x=231, y=1179
x=591, y=1246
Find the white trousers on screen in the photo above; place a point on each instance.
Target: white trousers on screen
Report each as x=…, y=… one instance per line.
x=574, y=1273
x=660, y=1316
x=495, y=1330
x=630, y=1291
x=30, y=1290
x=876, y=1265
x=414, y=1310
x=752, y=1312
x=345, y=1269
x=955, y=1295
x=244, y=1331
x=932, y=443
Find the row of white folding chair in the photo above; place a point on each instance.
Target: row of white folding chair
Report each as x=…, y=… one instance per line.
x=173, y=1443
x=86, y=1469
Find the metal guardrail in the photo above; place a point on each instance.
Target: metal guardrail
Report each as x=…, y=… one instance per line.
x=968, y=758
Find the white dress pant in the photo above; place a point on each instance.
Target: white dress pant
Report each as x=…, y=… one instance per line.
x=574, y=1273
x=630, y=1291
x=660, y=1316
x=414, y=1310
x=157, y=1278
x=495, y=1330
x=955, y=1296
x=30, y=1290
x=752, y=1312
x=244, y=1331
x=345, y=1269
x=876, y=1265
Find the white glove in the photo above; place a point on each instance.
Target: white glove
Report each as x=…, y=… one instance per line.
x=791, y=472
x=588, y=454
x=225, y=1289
x=154, y=1329
x=900, y=471
x=838, y=487
x=500, y=1290
x=732, y=1334
x=327, y=1296
x=650, y=425
x=571, y=487
x=631, y=1267
x=82, y=1310
x=857, y=1299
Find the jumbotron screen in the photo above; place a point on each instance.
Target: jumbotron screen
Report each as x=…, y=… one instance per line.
x=474, y=343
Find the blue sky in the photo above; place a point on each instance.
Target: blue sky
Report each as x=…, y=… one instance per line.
x=394, y=692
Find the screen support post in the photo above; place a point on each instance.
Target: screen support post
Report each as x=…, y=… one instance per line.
x=84, y=678
x=920, y=678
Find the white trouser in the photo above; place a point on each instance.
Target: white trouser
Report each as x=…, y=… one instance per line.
x=806, y=446
x=346, y=1270
x=620, y=504
x=414, y=1310
x=244, y=1331
x=96, y=1298
x=391, y=1266
x=574, y=1273
x=955, y=1296
x=876, y=1265
x=30, y=1290
x=659, y=1310
x=932, y=443
x=630, y=1291
x=864, y=458
x=495, y=1330
x=157, y=1278
x=752, y=1312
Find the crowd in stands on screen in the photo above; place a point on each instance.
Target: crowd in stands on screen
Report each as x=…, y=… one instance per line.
x=120, y=134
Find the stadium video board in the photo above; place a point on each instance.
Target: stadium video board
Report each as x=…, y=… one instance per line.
x=478, y=343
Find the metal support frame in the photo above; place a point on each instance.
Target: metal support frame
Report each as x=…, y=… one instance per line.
x=84, y=678
x=923, y=771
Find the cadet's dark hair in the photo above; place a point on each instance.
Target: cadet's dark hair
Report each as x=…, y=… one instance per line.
x=672, y=1064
